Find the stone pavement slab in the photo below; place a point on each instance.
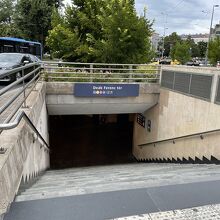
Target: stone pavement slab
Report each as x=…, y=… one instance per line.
x=209, y=212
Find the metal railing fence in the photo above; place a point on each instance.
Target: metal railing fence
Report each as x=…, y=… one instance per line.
x=101, y=72
x=21, y=90
x=14, y=95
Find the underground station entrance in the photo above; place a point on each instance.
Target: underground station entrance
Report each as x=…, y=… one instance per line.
x=89, y=140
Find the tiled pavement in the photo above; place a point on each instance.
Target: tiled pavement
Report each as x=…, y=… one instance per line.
x=209, y=212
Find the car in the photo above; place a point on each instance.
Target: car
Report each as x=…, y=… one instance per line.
x=9, y=61
x=193, y=63
x=165, y=62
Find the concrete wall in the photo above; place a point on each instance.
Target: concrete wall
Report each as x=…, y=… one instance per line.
x=61, y=101
x=25, y=157
x=176, y=115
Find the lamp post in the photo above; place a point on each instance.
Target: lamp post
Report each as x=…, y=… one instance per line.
x=210, y=33
x=164, y=33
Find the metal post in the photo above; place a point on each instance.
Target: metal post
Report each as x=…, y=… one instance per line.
x=164, y=33
x=35, y=89
x=91, y=71
x=130, y=73
x=210, y=33
x=24, y=92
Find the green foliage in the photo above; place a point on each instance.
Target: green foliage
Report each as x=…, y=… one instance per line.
x=202, y=48
x=182, y=52
x=56, y=18
x=6, y=11
x=194, y=49
x=214, y=51
x=107, y=31
x=125, y=37
x=63, y=41
x=33, y=18
x=56, y=3
x=7, y=26
x=169, y=42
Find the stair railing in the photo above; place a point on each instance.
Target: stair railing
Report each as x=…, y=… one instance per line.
x=200, y=134
x=15, y=123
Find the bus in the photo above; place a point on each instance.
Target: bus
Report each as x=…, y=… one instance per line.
x=18, y=45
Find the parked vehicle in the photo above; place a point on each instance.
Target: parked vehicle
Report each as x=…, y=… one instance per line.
x=193, y=63
x=9, y=61
x=165, y=61
x=18, y=45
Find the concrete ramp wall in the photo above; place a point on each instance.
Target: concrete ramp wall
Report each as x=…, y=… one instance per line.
x=177, y=115
x=25, y=157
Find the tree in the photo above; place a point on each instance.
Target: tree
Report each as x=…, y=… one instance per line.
x=63, y=41
x=108, y=31
x=169, y=42
x=56, y=3
x=56, y=18
x=202, y=48
x=214, y=51
x=182, y=52
x=33, y=19
x=194, y=49
x=125, y=36
x=7, y=27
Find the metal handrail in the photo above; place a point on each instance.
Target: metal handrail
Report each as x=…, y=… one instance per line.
x=95, y=64
x=16, y=122
x=19, y=105
x=7, y=104
x=98, y=72
x=92, y=68
x=7, y=88
x=104, y=74
x=181, y=137
x=9, y=72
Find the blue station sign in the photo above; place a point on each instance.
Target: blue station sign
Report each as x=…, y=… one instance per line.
x=106, y=90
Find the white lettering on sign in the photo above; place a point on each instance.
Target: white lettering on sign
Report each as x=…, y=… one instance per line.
x=119, y=87
x=97, y=87
x=109, y=87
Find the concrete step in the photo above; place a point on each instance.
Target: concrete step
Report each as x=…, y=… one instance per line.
x=85, y=180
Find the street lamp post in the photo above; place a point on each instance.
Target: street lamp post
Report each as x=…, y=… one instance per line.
x=164, y=33
x=210, y=33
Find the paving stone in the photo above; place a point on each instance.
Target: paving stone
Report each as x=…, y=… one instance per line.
x=198, y=213
x=167, y=215
x=135, y=217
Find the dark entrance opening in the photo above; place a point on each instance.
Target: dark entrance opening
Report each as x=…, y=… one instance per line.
x=88, y=140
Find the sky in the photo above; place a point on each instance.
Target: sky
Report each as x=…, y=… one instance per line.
x=181, y=16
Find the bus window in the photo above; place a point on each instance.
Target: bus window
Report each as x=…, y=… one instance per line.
x=23, y=49
x=33, y=50
x=8, y=48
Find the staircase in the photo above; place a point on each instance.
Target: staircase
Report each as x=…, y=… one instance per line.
x=88, y=180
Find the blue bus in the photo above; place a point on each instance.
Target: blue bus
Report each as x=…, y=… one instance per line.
x=17, y=45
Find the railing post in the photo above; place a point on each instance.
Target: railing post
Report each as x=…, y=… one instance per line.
x=130, y=74
x=34, y=89
x=24, y=92
x=91, y=71
x=214, y=87
x=161, y=72
x=158, y=74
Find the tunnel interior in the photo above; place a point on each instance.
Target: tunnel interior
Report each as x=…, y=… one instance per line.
x=89, y=140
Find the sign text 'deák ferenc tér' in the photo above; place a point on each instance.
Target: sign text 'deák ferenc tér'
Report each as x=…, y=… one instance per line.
x=106, y=90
